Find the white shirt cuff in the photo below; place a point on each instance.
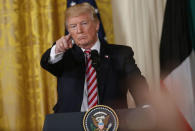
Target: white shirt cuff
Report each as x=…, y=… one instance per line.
x=54, y=58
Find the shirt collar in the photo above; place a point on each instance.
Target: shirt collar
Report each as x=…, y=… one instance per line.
x=96, y=46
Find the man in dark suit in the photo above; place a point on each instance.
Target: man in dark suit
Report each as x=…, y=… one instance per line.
x=113, y=67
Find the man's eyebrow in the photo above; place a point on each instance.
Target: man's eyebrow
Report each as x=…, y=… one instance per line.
x=71, y=24
x=84, y=20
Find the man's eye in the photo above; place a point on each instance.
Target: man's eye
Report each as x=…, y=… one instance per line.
x=84, y=23
x=72, y=26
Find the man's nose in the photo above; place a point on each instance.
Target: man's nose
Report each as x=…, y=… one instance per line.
x=79, y=29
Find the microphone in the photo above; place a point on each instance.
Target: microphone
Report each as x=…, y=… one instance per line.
x=95, y=59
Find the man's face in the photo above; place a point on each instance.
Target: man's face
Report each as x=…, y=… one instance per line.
x=83, y=29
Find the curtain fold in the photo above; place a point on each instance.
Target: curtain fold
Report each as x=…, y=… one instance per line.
x=27, y=93
x=138, y=23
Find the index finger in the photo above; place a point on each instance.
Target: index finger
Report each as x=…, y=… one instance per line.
x=68, y=37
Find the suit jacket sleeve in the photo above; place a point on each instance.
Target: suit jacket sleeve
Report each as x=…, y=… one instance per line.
x=54, y=69
x=136, y=83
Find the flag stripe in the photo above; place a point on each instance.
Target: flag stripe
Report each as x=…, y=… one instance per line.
x=192, y=22
x=175, y=41
x=175, y=50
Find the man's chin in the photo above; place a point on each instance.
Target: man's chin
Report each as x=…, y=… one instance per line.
x=83, y=44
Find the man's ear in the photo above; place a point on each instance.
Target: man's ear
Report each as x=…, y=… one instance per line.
x=97, y=25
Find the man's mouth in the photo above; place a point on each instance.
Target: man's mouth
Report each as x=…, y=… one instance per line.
x=82, y=38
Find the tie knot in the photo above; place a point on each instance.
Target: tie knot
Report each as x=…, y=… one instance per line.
x=87, y=51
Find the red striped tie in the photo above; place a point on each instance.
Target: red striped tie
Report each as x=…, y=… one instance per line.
x=91, y=81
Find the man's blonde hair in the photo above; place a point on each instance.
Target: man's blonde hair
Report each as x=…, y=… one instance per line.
x=79, y=9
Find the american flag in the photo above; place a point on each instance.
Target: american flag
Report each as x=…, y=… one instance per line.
x=101, y=32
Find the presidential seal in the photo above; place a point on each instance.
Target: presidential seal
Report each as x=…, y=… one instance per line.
x=100, y=118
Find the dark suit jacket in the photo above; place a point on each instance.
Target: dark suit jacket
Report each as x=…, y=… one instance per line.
x=118, y=73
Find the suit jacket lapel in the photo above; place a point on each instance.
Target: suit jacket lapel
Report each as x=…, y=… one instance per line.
x=79, y=56
x=104, y=68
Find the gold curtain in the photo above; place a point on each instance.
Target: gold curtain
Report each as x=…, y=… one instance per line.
x=27, y=29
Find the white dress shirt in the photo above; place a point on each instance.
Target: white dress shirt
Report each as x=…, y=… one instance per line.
x=54, y=58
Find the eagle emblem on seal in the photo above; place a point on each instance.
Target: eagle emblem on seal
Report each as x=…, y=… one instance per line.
x=100, y=121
